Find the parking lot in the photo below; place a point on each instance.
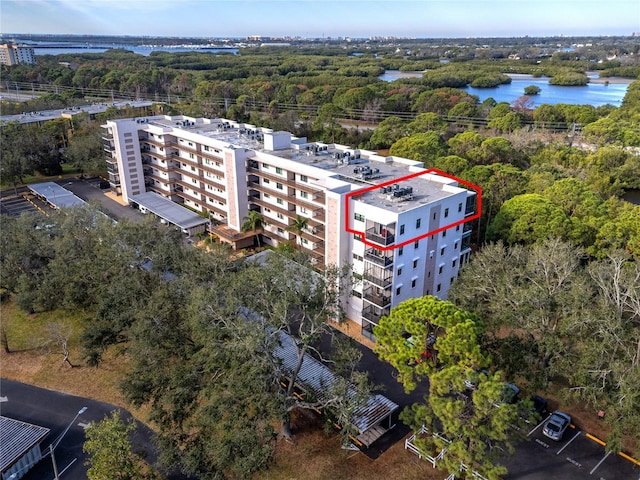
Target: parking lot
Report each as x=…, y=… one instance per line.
x=577, y=456
x=14, y=205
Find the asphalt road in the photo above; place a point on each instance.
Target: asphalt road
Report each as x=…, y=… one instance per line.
x=54, y=410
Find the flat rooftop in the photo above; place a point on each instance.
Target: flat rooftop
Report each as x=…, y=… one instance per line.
x=361, y=168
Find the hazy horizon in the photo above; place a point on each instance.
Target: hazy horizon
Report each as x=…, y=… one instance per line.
x=322, y=18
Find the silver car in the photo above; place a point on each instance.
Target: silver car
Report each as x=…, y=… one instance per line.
x=556, y=425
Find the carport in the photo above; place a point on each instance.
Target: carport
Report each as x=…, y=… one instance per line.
x=20, y=450
x=55, y=195
x=371, y=420
x=170, y=212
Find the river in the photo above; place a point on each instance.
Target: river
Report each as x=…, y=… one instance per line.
x=596, y=93
x=140, y=50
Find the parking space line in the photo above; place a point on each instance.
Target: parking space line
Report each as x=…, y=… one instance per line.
x=599, y=463
x=538, y=426
x=567, y=444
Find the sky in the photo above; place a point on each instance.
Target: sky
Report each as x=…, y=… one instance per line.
x=320, y=18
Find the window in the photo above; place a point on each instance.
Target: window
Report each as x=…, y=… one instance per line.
x=459, y=207
x=355, y=293
x=280, y=216
x=266, y=195
x=266, y=181
x=446, y=212
x=416, y=244
x=305, y=241
x=304, y=194
x=398, y=290
x=303, y=178
x=413, y=283
x=357, y=257
x=415, y=263
x=418, y=223
x=439, y=288
x=400, y=250
x=357, y=237
x=401, y=229
x=400, y=271
x=280, y=231
x=280, y=201
x=279, y=170
x=279, y=186
x=303, y=210
x=444, y=234
x=434, y=215
x=440, y=269
x=452, y=279
x=442, y=251
x=455, y=246
x=453, y=264
x=265, y=166
x=359, y=217
x=457, y=228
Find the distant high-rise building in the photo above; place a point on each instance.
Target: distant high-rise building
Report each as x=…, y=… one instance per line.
x=11, y=54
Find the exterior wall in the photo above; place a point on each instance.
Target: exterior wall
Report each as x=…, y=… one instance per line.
x=127, y=147
x=227, y=178
x=22, y=466
x=15, y=54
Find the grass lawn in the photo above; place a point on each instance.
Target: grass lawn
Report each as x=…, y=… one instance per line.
x=311, y=455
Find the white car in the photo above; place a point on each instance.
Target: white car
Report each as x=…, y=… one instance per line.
x=557, y=424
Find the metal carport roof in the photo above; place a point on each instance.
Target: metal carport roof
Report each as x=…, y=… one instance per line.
x=56, y=195
x=168, y=210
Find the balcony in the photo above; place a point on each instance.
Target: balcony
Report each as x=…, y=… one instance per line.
x=374, y=314
x=382, y=278
x=381, y=234
x=470, y=207
x=375, y=296
x=383, y=259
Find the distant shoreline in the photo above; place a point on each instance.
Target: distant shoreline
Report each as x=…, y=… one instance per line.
x=597, y=80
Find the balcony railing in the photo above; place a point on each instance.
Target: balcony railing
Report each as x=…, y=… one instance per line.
x=385, y=280
x=378, y=257
x=369, y=313
x=379, y=299
x=384, y=237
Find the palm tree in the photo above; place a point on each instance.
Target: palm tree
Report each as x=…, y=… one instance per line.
x=298, y=226
x=253, y=222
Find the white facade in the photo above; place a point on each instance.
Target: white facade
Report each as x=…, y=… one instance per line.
x=14, y=54
x=304, y=191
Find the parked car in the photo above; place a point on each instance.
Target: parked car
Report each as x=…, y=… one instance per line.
x=471, y=382
x=539, y=404
x=557, y=424
x=510, y=393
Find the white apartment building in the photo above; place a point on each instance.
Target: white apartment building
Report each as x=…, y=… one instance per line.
x=14, y=54
x=401, y=228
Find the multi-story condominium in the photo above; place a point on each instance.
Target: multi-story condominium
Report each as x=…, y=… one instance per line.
x=14, y=54
x=402, y=228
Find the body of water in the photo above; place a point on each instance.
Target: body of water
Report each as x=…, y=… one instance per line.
x=140, y=50
x=595, y=94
